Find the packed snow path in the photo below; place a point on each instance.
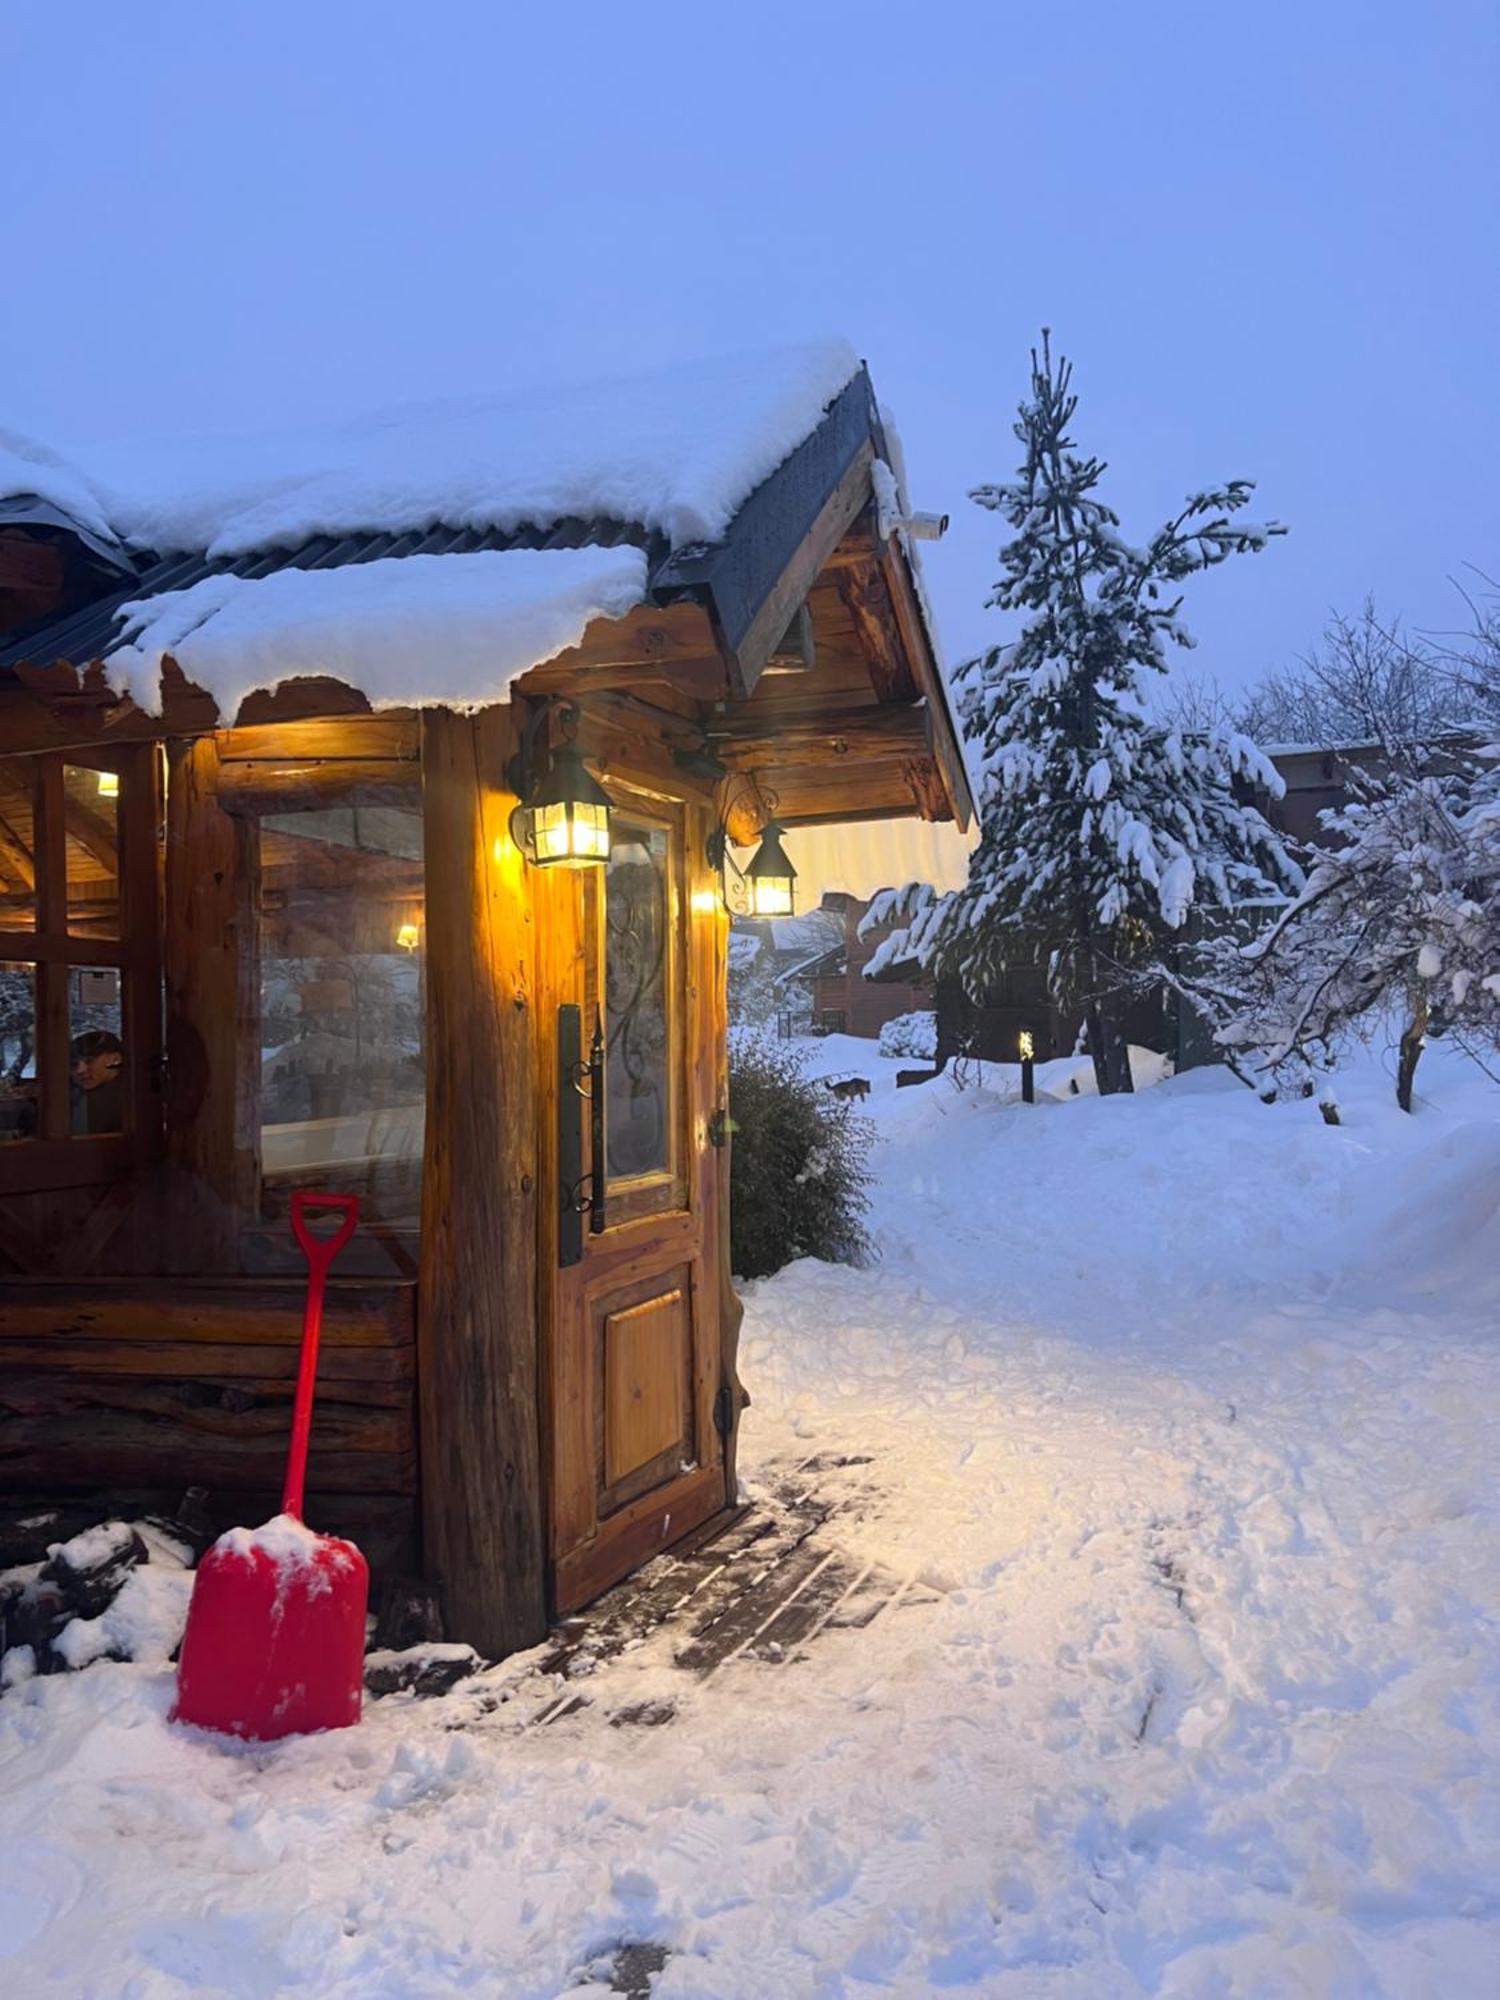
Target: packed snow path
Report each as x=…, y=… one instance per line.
x=1183, y=1412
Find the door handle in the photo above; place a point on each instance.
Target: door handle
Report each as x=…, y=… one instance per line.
x=598, y=1177
x=569, y=1136
x=579, y=1193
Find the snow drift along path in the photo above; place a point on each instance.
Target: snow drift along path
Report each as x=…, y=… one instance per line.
x=1189, y=1411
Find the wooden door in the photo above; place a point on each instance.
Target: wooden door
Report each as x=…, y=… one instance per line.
x=636, y=1410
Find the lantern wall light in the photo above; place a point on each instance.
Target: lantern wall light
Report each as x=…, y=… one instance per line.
x=562, y=818
x=768, y=886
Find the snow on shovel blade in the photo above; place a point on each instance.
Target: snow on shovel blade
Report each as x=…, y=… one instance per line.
x=275, y=1634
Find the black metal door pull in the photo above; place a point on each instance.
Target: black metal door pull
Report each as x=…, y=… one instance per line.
x=580, y=1193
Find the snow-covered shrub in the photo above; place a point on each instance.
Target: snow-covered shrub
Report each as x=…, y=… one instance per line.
x=798, y=1177
x=1401, y=912
x=913, y=1034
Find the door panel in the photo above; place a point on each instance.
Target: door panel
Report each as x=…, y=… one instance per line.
x=630, y=1319
x=645, y=1353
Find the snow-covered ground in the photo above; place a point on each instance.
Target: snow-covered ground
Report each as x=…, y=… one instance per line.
x=1187, y=1408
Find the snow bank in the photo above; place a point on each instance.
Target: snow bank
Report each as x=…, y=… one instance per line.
x=454, y=630
x=677, y=451
x=1192, y=1690
x=143, y=1623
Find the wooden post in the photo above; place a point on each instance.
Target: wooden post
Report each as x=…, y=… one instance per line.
x=482, y=1500
x=212, y=1018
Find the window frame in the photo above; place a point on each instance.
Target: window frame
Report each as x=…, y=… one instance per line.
x=272, y=785
x=55, y=1157
x=662, y=1190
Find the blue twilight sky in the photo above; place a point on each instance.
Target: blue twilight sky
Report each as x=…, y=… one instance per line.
x=1265, y=234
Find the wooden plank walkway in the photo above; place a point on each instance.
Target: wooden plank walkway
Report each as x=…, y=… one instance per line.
x=760, y=1586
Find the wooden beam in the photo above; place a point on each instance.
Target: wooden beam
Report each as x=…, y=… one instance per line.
x=358, y=1312
x=767, y=739
x=928, y=674
x=247, y=787
x=797, y=579
x=705, y=678
x=389, y=736
x=60, y=707
x=16, y=859
x=94, y=834
x=863, y=591
x=658, y=636
x=861, y=545
x=482, y=1499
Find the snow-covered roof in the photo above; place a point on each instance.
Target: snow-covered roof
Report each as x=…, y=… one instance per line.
x=32, y=469
x=676, y=451
x=459, y=628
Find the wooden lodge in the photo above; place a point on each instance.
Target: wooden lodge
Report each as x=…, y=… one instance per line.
x=318, y=942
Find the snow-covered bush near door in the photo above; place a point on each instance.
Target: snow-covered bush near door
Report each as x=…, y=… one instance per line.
x=798, y=1172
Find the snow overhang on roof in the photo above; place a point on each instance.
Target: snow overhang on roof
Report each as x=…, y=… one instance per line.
x=461, y=628
x=675, y=453
x=669, y=463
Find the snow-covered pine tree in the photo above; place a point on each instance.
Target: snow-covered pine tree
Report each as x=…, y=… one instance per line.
x=1102, y=827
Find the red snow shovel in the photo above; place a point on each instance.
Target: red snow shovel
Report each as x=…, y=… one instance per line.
x=275, y=1636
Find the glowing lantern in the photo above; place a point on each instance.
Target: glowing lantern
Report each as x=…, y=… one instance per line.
x=565, y=818
x=771, y=877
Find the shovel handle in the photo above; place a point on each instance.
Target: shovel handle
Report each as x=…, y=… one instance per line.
x=323, y=1249
x=320, y=1252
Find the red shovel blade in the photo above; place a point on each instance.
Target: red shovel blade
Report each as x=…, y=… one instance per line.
x=275, y=1637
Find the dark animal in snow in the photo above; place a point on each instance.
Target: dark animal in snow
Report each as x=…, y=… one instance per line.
x=848, y=1086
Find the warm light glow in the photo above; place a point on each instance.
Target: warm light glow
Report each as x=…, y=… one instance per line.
x=571, y=831
x=109, y=784
x=771, y=880
x=1027, y=1047
x=409, y=936
x=705, y=903
x=771, y=896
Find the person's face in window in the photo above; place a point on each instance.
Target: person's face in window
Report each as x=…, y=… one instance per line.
x=101, y=1066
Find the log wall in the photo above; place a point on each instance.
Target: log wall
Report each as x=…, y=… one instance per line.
x=132, y=1387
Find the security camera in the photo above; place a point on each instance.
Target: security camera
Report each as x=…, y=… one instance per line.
x=924, y=527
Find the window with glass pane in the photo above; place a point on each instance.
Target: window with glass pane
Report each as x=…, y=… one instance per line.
x=96, y=1051
x=82, y=999
x=18, y=1102
x=342, y=1001
x=637, y=1024
x=91, y=826
x=17, y=843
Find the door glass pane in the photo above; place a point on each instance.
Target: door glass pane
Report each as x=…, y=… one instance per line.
x=96, y=1051
x=17, y=843
x=341, y=990
x=91, y=819
x=637, y=918
x=17, y=1052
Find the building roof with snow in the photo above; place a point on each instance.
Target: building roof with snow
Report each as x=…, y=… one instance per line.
x=438, y=553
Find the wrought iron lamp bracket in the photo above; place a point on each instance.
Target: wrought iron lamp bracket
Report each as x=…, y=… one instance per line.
x=734, y=883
